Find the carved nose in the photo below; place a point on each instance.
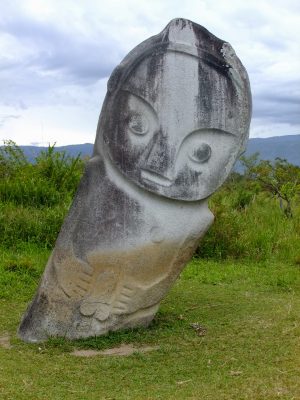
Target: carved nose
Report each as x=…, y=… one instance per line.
x=160, y=160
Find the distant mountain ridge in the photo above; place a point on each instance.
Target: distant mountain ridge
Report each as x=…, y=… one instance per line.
x=85, y=150
x=287, y=147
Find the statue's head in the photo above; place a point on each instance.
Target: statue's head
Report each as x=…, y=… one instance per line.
x=177, y=113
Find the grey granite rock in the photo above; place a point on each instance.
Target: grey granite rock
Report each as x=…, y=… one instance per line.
x=175, y=118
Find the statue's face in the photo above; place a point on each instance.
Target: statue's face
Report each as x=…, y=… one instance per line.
x=171, y=132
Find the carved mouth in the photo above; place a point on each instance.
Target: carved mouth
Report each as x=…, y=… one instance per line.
x=152, y=177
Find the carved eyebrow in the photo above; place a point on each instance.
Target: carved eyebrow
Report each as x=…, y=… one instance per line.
x=212, y=131
x=143, y=100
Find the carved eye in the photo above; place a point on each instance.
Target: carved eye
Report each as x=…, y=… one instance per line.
x=138, y=124
x=201, y=154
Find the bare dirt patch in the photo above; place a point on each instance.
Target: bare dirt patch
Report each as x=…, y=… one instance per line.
x=5, y=342
x=123, y=350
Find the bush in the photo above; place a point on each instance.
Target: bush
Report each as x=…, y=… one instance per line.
x=29, y=224
x=259, y=231
x=34, y=198
x=50, y=181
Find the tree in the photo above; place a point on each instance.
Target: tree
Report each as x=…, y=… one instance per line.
x=280, y=178
x=12, y=159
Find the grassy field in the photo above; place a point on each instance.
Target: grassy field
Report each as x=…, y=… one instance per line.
x=229, y=328
x=247, y=345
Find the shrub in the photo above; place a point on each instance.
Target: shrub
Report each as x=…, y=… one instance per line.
x=258, y=232
x=50, y=181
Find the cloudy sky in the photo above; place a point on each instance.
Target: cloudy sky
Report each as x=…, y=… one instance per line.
x=56, y=57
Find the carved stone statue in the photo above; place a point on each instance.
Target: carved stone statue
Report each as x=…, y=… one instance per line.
x=175, y=118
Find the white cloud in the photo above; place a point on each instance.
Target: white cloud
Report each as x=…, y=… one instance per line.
x=57, y=55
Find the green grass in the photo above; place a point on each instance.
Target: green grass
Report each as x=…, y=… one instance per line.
x=19, y=225
x=251, y=349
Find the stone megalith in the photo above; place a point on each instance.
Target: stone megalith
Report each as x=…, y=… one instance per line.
x=175, y=118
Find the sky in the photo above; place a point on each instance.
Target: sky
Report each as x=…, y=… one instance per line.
x=56, y=57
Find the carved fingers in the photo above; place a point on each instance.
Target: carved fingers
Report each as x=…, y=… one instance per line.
x=74, y=276
x=127, y=300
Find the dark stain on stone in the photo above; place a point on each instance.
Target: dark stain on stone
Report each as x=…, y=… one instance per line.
x=155, y=69
x=159, y=154
x=207, y=41
x=187, y=182
x=113, y=207
x=205, y=93
x=218, y=65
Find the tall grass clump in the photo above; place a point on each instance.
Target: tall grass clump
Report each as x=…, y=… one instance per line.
x=249, y=224
x=20, y=224
x=34, y=197
x=50, y=181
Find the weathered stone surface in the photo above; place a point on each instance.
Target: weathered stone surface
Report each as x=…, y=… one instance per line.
x=175, y=118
